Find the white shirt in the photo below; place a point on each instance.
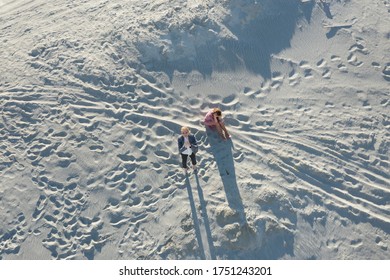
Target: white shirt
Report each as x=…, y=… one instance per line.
x=188, y=151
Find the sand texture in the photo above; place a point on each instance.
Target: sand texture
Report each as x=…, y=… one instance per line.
x=93, y=95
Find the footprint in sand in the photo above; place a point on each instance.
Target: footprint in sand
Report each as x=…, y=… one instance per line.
x=13, y=236
x=306, y=69
x=157, y=167
x=382, y=244
x=333, y=244
x=353, y=60
x=163, y=131
x=243, y=120
x=340, y=65
x=96, y=148
x=265, y=124
x=213, y=98
x=277, y=80
x=386, y=72
x=238, y=156
x=326, y=74
x=293, y=78
x=321, y=64
x=357, y=48
x=265, y=87
x=65, y=159
x=376, y=65
x=163, y=155
x=356, y=242
x=41, y=204
x=251, y=92
x=335, y=58
x=232, y=100
x=195, y=103
x=329, y=104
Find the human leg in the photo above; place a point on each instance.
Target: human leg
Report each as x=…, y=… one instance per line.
x=193, y=159
x=184, y=160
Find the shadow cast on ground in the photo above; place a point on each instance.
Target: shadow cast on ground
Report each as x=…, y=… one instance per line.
x=222, y=153
x=208, y=251
x=251, y=45
x=195, y=219
x=205, y=218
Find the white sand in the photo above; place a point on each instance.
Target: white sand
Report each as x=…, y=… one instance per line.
x=93, y=95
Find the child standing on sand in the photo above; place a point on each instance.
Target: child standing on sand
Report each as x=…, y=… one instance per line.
x=213, y=120
x=188, y=146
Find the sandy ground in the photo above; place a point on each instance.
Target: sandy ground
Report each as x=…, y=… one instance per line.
x=93, y=95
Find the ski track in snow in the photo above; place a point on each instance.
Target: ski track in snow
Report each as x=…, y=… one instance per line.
x=89, y=165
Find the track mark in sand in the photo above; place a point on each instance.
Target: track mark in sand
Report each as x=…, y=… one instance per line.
x=41, y=203
x=318, y=178
x=243, y=120
x=322, y=65
x=65, y=159
x=195, y=103
x=353, y=60
x=238, y=156
x=266, y=124
x=355, y=50
x=386, y=72
x=356, y=242
x=71, y=234
x=326, y=74
x=214, y=98
x=307, y=69
x=157, y=167
x=232, y=100
x=293, y=78
x=163, y=155
x=376, y=64
x=98, y=148
x=342, y=67
x=12, y=237
x=251, y=92
x=383, y=244
x=359, y=47
x=333, y=244
x=339, y=64
x=139, y=238
x=329, y=104
x=276, y=80
x=335, y=58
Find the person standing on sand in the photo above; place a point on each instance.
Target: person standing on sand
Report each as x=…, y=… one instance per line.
x=188, y=146
x=213, y=120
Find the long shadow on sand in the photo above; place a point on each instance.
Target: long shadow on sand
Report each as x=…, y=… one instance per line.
x=222, y=152
x=205, y=218
x=206, y=253
x=195, y=218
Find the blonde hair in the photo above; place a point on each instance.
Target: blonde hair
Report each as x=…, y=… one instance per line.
x=217, y=111
x=185, y=128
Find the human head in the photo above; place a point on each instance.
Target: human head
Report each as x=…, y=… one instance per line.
x=217, y=111
x=185, y=130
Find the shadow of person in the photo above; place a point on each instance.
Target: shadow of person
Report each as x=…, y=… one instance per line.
x=205, y=218
x=195, y=218
x=222, y=152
